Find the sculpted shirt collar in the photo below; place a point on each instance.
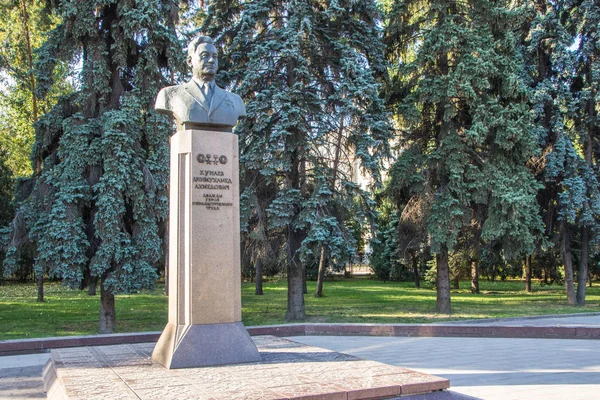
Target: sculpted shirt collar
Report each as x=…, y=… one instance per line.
x=209, y=103
x=200, y=83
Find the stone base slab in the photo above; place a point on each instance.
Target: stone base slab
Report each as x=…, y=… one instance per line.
x=288, y=370
x=190, y=346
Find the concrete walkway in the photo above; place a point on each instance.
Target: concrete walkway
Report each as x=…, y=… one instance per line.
x=480, y=368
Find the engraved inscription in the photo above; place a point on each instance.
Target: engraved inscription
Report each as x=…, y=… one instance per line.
x=212, y=187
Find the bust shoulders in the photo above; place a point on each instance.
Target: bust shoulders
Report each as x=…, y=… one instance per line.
x=187, y=103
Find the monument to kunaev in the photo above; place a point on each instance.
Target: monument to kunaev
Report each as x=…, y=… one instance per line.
x=200, y=102
x=204, y=326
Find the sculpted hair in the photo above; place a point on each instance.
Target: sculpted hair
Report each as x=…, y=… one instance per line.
x=196, y=42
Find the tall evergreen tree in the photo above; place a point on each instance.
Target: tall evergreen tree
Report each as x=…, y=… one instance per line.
x=306, y=70
x=563, y=90
x=467, y=128
x=99, y=202
x=586, y=24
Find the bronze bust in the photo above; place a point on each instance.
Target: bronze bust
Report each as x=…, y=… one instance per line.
x=200, y=102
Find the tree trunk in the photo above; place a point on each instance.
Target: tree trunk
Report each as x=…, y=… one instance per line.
x=568, y=263
x=475, y=276
x=332, y=180
x=321, y=273
x=528, y=273
x=246, y=265
x=40, y=287
x=37, y=164
x=259, y=277
x=583, y=265
x=296, y=272
x=442, y=304
x=304, y=279
x=456, y=282
x=92, y=283
x=592, y=131
x=415, y=265
x=107, y=310
x=25, y=18
x=296, y=180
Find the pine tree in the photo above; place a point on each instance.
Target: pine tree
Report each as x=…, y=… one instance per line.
x=99, y=203
x=306, y=70
x=467, y=131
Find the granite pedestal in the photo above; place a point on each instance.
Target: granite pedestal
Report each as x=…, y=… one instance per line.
x=204, y=326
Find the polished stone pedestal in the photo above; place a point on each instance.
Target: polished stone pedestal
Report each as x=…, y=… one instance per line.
x=288, y=370
x=188, y=346
x=204, y=275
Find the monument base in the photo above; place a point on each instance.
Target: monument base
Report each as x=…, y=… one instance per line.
x=288, y=370
x=189, y=346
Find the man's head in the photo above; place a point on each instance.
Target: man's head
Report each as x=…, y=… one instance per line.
x=202, y=57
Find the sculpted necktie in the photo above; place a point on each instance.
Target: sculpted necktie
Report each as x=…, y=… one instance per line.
x=207, y=90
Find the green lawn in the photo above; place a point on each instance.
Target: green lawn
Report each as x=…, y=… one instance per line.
x=67, y=312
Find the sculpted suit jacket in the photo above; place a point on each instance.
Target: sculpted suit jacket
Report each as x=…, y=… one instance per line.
x=188, y=104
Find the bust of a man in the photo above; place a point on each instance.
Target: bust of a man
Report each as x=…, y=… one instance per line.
x=200, y=102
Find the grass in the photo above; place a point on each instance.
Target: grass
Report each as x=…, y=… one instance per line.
x=67, y=312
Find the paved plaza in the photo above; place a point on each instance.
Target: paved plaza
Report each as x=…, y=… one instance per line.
x=286, y=370
x=491, y=368
x=480, y=368
x=487, y=368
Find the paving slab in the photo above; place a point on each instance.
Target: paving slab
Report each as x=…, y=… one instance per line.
x=486, y=368
x=21, y=383
x=21, y=377
x=288, y=370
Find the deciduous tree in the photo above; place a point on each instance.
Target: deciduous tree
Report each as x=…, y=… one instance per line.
x=23, y=26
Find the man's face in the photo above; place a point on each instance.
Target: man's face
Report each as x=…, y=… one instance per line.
x=204, y=63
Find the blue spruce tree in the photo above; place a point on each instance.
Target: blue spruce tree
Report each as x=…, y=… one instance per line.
x=564, y=89
x=99, y=204
x=586, y=87
x=307, y=72
x=466, y=129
